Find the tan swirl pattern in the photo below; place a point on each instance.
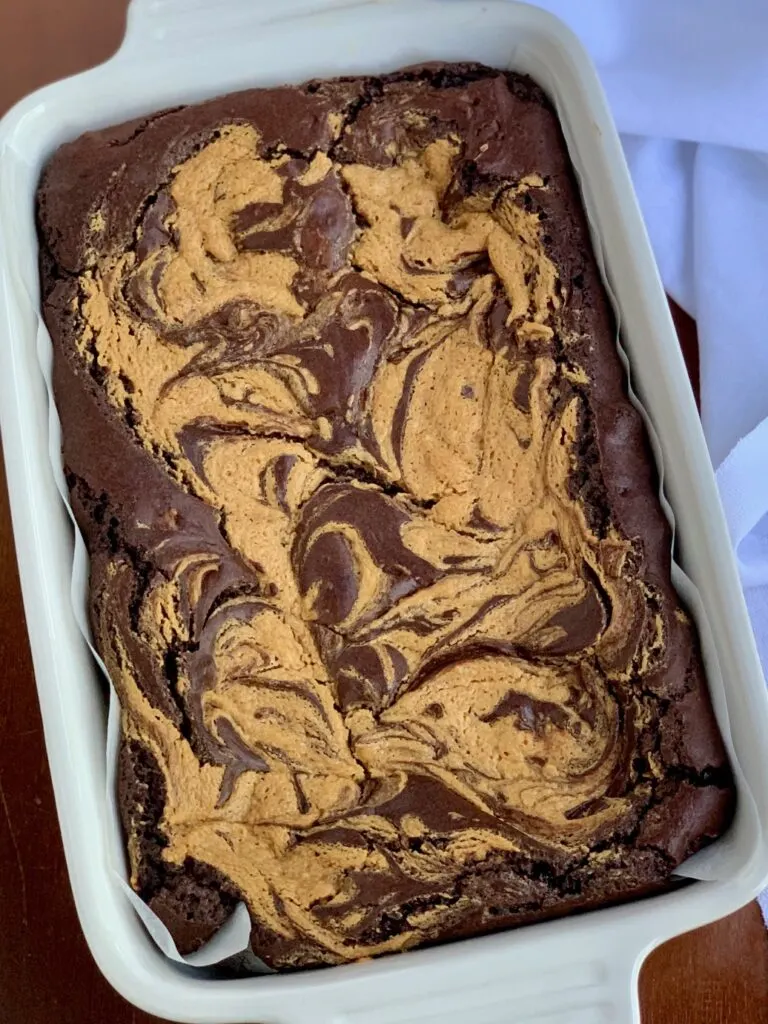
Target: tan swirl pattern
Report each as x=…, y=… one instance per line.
x=379, y=417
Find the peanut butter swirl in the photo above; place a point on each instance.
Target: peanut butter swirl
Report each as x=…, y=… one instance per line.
x=405, y=653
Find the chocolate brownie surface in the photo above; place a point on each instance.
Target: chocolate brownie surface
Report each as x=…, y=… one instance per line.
x=378, y=566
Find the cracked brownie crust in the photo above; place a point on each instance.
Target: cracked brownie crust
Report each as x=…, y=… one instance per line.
x=378, y=567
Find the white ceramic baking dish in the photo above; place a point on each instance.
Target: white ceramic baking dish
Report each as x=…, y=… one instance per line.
x=578, y=970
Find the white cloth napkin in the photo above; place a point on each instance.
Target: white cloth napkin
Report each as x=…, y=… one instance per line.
x=687, y=81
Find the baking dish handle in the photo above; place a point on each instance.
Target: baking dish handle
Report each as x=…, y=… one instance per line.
x=592, y=983
x=169, y=24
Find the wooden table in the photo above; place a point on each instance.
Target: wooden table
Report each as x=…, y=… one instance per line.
x=713, y=976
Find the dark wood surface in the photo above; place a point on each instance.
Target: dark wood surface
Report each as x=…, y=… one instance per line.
x=716, y=975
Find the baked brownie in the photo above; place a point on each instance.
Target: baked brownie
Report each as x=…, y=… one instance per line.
x=378, y=566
